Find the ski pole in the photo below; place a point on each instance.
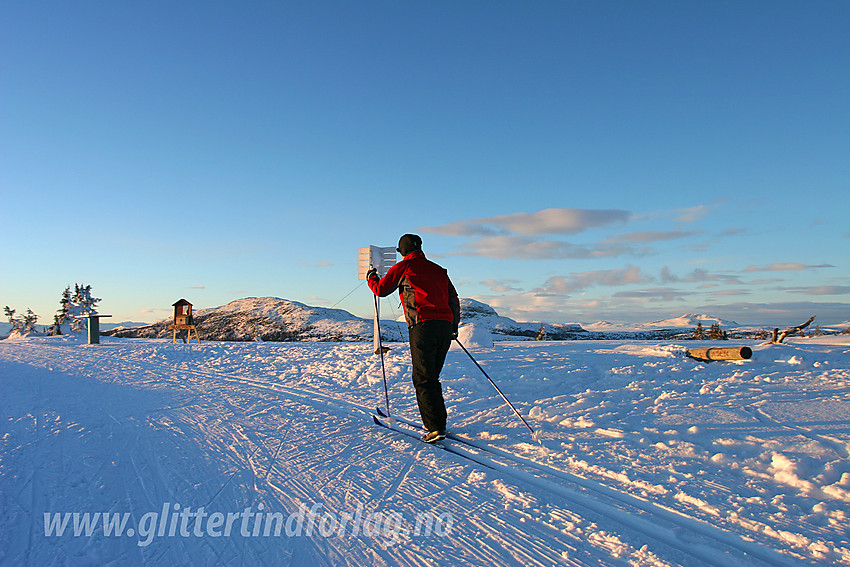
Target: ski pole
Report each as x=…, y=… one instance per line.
x=381, y=350
x=534, y=434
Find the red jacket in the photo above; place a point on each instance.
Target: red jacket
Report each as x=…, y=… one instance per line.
x=425, y=289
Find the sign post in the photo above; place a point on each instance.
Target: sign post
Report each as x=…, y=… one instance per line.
x=93, y=326
x=382, y=259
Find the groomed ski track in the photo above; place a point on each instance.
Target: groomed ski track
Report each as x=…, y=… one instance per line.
x=538, y=514
x=695, y=538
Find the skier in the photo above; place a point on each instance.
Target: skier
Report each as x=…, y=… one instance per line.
x=432, y=311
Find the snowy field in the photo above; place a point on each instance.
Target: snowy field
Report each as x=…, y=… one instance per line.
x=265, y=453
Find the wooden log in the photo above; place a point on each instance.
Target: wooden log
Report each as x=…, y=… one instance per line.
x=791, y=331
x=721, y=353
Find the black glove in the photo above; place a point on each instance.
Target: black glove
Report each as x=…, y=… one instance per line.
x=371, y=273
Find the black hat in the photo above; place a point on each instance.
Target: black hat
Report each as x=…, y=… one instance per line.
x=409, y=243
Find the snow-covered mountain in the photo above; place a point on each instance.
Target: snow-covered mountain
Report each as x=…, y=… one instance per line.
x=687, y=321
x=840, y=327
x=107, y=326
x=276, y=319
x=472, y=311
x=268, y=319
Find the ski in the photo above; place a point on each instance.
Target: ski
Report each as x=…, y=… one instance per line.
x=414, y=426
x=474, y=449
x=380, y=418
x=410, y=429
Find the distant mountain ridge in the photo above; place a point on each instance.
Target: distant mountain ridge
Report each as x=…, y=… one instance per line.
x=477, y=312
x=276, y=319
x=266, y=319
x=687, y=321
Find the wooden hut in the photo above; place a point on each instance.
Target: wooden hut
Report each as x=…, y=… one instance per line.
x=183, y=320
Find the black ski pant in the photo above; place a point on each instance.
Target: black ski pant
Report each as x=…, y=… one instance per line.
x=429, y=343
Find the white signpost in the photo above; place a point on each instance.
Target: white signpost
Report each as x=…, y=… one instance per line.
x=382, y=259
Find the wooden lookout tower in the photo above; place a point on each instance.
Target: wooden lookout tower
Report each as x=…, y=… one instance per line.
x=183, y=320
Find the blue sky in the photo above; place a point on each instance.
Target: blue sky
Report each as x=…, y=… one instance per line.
x=566, y=161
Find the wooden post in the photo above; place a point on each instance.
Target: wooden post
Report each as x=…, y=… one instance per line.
x=721, y=353
x=189, y=329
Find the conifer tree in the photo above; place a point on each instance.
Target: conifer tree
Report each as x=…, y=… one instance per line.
x=30, y=319
x=17, y=322
x=22, y=324
x=715, y=333
x=64, y=305
x=56, y=327
x=81, y=302
x=699, y=332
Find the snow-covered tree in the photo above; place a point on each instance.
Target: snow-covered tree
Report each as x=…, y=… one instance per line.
x=56, y=327
x=81, y=302
x=84, y=298
x=17, y=322
x=30, y=319
x=21, y=324
x=64, y=304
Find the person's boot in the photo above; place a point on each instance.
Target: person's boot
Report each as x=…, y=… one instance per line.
x=434, y=436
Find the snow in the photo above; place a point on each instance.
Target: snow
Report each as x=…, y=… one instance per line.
x=646, y=457
x=474, y=336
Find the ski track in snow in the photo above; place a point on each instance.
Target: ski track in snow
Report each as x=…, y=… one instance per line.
x=648, y=458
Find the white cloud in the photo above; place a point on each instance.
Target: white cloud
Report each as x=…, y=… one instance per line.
x=547, y=221
x=654, y=235
x=784, y=267
x=698, y=275
x=584, y=280
x=725, y=292
x=523, y=248
x=692, y=214
x=501, y=286
x=653, y=294
x=822, y=290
